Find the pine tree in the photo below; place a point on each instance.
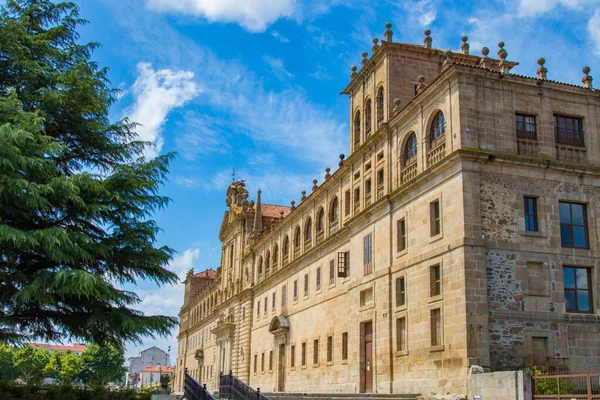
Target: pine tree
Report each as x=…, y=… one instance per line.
x=76, y=194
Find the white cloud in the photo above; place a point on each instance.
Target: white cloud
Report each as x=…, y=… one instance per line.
x=532, y=8
x=200, y=135
x=320, y=74
x=593, y=28
x=279, y=37
x=156, y=94
x=253, y=15
x=424, y=12
x=277, y=68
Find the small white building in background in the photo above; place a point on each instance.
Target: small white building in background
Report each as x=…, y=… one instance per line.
x=149, y=357
x=150, y=376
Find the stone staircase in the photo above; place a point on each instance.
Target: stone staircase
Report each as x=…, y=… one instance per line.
x=339, y=396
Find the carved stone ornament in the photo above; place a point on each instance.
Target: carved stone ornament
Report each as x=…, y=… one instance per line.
x=279, y=328
x=237, y=196
x=199, y=355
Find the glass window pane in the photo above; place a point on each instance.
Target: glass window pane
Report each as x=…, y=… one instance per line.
x=566, y=238
x=581, y=275
x=570, y=299
x=565, y=213
x=577, y=214
x=569, y=277
x=579, y=236
x=583, y=300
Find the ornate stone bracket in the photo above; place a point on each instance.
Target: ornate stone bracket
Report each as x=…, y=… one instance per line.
x=279, y=328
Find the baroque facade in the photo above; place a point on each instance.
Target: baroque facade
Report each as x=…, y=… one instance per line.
x=461, y=230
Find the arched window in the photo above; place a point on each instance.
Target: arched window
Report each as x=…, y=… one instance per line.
x=379, y=106
x=410, y=150
x=267, y=262
x=368, y=117
x=357, y=129
x=260, y=266
x=297, y=238
x=321, y=220
x=438, y=127
x=308, y=229
x=286, y=246
x=275, y=256
x=334, y=210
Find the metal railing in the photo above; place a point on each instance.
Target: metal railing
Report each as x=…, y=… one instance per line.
x=232, y=388
x=566, y=386
x=194, y=390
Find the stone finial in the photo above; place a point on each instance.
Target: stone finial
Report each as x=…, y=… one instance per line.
x=464, y=47
x=341, y=163
x=303, y=195
x=421, y=85
x=541, y=71
x=388, y=32
x=448, y=59
x=587, y=78
x=396, y=104
x=375, y=44
x=365, y=59
x=315, y=187
x=281, y=214
x=428, y=40
x=485, y=61
x=293, y=203
x=502, y=54
x=353, y=74
x=501, y=49
x=327, y=174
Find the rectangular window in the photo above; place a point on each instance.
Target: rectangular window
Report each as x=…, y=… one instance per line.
x=344, y=264
x=296, y=290
x=273, y=302
x=356, y=198
x=531, y=216
x=306, y=284
x=331, y=271
x=401, y=334
x=293, y=356
x=578, y=289
x=400, y=292
x=434, y=218
x=255, y=362
x=380, y=177
x=347, y=203
x=262, y=362
x=573, y=225
x=568, y=130
x=303, y=354
x=435, y=280
x=345, y=346
x=284, y=296
x=367, y=254
x=526, y=127
x=436, y=327
x=368, y=187
x=318, y=279
x=271, y=360
x=316, y=351
x=258, y=309
x=266, y=304
x=329, y=348
x=401, y=233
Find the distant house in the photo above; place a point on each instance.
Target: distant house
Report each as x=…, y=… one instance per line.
x=77, y=348
x=150, y=376
x=149, y=357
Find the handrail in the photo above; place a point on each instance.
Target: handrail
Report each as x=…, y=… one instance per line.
x=194, y=390
x=233, y=388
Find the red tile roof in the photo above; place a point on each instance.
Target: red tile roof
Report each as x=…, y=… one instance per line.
x=274, y=211
x=209, y=273
x=76, y=348
x=154, y=368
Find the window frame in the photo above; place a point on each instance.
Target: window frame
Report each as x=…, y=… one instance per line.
x=368, y=254
x=435, y=218
x=316, y=352
x=585, y=225
x=531, y=216
x=521, y=125
x=344, y=346
x=576, y=290
x=436, y=327
x=435, y=280
x=401, y=235
x=401, y=291
x=560, y=138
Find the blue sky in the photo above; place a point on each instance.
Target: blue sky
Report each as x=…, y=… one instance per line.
x=254, y=85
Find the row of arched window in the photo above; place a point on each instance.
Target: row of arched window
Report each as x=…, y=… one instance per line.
x=200, y=311
x=368, y=114
x=270, y=260
x=437, y=130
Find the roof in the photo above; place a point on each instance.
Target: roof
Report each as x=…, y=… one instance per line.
x=209, y=273
x=155, y=368
x=274, y=211
x=75, y=348
x=153, y=347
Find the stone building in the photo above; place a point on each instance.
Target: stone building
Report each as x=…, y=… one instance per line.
x=461, y=230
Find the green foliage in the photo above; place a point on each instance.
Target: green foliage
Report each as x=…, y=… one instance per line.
x=8, y=371
x=30, y=363
x=76, y=193
x=102, y=364
x=12, y=391
x=64, y=367
x=548, y=384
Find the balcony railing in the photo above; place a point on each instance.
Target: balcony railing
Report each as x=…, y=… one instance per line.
x=296, y=252
x=308, y=243
x=356, y=206
x=284, y=260
x=528, y=147
x=334, y=226
x=367, y=199
x=437, y=152
x=320, y=236
x=571, y=154
x=379, y=191
x=275, y=265
x=408, y=173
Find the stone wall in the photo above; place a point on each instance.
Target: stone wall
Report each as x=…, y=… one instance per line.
x=512, y=385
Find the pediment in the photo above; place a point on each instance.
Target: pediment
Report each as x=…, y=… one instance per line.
x=279, y=324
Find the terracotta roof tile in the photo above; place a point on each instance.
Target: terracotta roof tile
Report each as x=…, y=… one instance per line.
x=78, y=348
x=274, y=211
x=209, y=273
x=154, y=368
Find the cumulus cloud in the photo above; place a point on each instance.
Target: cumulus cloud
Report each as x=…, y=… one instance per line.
x=253, y=15
x=424, y=12
x=156, y=93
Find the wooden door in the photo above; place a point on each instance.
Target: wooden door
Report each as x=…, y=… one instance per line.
x=281, y=369
x=368, y=351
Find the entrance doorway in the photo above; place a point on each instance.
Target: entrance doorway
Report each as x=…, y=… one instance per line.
x=367, y=353
x=281, y=369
